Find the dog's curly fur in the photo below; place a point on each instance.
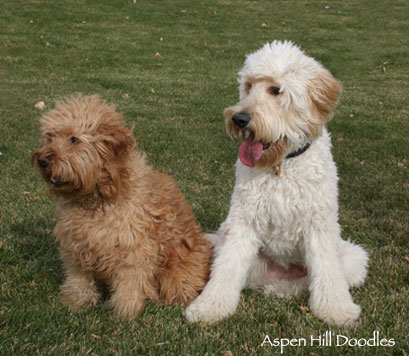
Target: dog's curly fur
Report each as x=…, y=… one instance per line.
x=282, y=232
x=119, y=220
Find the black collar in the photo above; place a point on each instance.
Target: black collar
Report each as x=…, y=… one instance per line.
x=299, y=151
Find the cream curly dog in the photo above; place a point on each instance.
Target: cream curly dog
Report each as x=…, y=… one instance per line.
x=119, y=221
x=282, y=231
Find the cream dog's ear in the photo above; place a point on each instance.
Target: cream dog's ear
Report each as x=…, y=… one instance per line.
x=323, y=91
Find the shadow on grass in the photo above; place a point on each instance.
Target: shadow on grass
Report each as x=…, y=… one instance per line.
x=33, y=249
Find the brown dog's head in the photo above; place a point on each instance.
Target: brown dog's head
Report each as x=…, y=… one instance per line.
x=84, y=149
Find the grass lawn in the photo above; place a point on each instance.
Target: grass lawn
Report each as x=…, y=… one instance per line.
x=171, y=68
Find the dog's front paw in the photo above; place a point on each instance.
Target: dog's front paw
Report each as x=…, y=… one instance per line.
x=209, y=310
x=344, y=313
x=125, y=304
x=78, y=293
x=76, y=300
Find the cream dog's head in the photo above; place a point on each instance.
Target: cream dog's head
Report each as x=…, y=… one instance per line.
x=286, y=98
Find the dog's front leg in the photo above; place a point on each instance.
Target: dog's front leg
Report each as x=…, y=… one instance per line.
x=130, y=287
x=330, y=299
x=231, y=264
x=79, y=288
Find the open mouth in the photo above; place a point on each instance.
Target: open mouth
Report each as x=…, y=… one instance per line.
x=55, y=183
x=250, y=152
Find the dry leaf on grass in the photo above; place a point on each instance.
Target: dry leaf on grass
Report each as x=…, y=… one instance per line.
x=304, y=309
x=40, y=105
x=162, y=343
x=226, y=353
x=203, y=324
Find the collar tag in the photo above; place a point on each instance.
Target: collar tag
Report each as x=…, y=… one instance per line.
x=278, y=170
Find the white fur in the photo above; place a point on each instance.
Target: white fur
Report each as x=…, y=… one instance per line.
x=288, y=218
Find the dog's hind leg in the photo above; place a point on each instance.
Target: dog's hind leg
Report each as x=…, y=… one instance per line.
x=213, y=238
x=354, y=260
x=185, y=270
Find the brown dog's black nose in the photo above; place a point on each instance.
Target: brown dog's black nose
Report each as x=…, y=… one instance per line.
x=241, y=119
x=43, y=162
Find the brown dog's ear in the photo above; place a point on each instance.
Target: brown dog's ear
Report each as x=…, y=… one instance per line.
x=118, y=141
x=324, y=91
x=115, y=144
x=114, y=178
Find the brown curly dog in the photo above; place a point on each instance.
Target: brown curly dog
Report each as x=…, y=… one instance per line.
x=119, y=221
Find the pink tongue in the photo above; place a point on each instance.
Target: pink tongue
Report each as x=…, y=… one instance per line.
x=250, y=152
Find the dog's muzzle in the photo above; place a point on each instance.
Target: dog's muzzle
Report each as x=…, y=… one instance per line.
x=241, y=119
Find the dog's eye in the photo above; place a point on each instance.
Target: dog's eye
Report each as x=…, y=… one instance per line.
x=274, y=91
x=48, y=138
x=73, y=139
x=247, y=87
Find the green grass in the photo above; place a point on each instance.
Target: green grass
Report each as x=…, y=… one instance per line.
x=53, y=49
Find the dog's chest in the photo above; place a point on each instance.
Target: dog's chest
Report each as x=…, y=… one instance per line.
x=91, y=241
x=278, y=224
x=277, y=209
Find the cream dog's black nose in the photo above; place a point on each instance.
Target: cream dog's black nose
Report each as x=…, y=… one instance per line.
x=241, y=119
